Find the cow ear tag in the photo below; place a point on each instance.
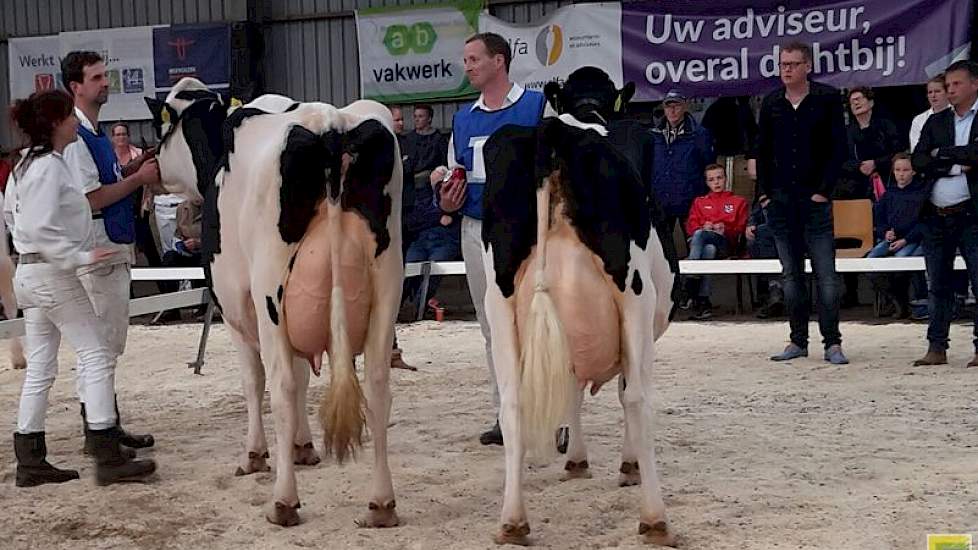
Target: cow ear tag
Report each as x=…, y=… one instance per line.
x=235, y=103
x=618, y=103
x=165, y=116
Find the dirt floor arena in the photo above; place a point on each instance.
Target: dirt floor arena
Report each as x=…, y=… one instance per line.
x=752, y=454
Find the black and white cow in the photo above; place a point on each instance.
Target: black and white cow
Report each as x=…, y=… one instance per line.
x=302, y=239
x=579, y=291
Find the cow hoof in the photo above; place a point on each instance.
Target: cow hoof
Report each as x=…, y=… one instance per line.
x=513, y=534
x=630, y=475
x=657, y=533
x=380, y=517
x=305, y=455
x=576, y=470
x=284, y=514
x=256, y=463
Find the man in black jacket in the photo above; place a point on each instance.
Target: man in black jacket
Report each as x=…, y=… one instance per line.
x=801, y=149
x=947, y=159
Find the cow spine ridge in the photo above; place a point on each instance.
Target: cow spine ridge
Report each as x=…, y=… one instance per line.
x=341, y=410
x=547, y=381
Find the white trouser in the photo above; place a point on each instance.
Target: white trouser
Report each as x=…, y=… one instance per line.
x=108, y=289
x=475, y=276
x=55, y=303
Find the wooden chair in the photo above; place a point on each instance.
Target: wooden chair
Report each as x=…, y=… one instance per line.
x=853, y=220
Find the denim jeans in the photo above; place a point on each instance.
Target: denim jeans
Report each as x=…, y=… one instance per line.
x=799, y=226
x=704, y=245
x=882, y=250
x=943, y=237
x=435, y=244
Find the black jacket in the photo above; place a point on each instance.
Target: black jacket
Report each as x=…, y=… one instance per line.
x=938, y=134
x=899, y=210
x=877, y=142
x=800, y=152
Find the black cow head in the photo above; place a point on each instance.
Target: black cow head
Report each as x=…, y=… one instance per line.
x=589, y=95
x=188, y=124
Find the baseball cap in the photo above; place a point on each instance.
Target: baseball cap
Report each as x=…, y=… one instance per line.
x=674, y=96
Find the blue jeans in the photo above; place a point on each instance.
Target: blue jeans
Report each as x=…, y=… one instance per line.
x=882, y=250
x=435, y=244
x=943, y=237
x=704, y=245
x=799, y=226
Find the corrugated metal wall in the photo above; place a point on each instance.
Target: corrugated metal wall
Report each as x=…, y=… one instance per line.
x=310, y=45
x=39, y=17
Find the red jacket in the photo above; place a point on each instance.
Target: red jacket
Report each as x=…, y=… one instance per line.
x=723, y=207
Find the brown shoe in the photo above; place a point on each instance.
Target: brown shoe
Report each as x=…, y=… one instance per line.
x=397, y=362
x=974, y=361
x=933, y=357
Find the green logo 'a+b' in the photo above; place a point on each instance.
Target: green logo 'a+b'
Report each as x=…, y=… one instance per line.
x=419, y=38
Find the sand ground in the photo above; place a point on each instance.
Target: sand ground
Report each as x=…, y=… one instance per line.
x=752, y=455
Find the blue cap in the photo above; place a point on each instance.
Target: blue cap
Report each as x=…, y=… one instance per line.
x=674, y=96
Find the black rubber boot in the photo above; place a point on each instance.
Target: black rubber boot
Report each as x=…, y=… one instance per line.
x=32, y=466
x=136, y=441
x=110, y=464
x=126, y=451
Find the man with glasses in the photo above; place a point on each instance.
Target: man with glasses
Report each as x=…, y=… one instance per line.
x=801, y=149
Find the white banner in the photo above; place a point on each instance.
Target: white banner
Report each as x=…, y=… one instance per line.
x=34, y=65
x=128, y=54
x=573, y=37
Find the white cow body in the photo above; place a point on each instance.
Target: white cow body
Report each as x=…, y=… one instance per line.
x=270, y=295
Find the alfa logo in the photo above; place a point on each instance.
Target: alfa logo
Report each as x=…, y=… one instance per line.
x=550, y=44
x=419, y=38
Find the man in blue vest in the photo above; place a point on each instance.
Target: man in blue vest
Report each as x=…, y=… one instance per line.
x=110, y=194
x=486, y=60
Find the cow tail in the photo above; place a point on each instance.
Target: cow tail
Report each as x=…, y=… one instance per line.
x=547, y=384
x=341, y=410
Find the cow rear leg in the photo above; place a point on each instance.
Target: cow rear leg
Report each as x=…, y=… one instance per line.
x=577, y=466
x=629, y=475
x=253, y=384
x=303, y=452
x=377, y=359
x=514, y=528
x=285, y=500
x=637, y=397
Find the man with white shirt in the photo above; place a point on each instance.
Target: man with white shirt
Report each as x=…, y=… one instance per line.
x=946, y=157
x=937, y=97
x=487, y=57
x=110, y=194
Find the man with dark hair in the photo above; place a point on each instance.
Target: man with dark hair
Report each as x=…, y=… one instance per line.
x=800, y=152
x=110, y=194
x=486, y=59
x=947, y=159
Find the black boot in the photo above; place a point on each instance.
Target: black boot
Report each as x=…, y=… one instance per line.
x=110, y=464
x=136, y=441
x=32, y=467
x=126, y=451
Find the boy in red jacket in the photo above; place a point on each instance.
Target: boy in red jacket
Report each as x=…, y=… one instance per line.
x=716, y=222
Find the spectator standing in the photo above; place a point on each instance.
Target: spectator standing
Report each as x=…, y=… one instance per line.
x=937, y=97
x=872, y=140
x=681, y=150
x=800, y=152
x=716, y=223
x=897, y=231
x=486, y=58
x=947, y=159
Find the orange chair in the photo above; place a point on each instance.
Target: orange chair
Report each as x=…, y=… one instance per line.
x=853, y=221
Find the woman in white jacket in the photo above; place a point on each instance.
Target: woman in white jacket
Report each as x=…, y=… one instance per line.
x=52, y=232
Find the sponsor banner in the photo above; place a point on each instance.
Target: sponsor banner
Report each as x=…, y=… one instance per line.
x=34, y=64
x=415, y=54
x=732, y=47
x=128, y=54
x=572, y=37
x=199, y=51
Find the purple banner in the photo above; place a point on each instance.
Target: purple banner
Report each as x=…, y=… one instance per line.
x=727, y=48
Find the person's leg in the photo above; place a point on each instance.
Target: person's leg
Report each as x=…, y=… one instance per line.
x=881, y=250
x=969, y=251
x=475, y=276
x=692, y=283
x=940, y=245
x=41, y=342
x=445, y=248
x=417, y=252
x=788, y=238
x=821, y=247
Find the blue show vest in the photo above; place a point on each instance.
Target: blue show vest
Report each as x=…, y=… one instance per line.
x=470, y=130
x=119, y=217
